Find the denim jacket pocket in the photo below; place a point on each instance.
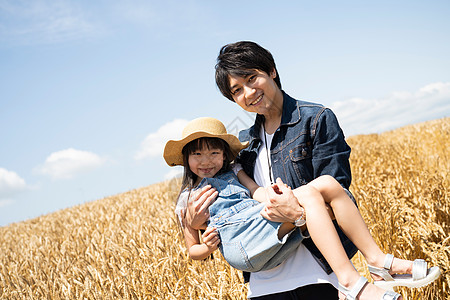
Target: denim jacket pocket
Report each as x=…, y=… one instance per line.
x=301, y=158
x=232, y=190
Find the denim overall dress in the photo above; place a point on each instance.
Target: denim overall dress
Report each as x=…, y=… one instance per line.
x=248, y=241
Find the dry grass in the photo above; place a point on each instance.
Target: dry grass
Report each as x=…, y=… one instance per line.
x=129, y=246
x=401, y=182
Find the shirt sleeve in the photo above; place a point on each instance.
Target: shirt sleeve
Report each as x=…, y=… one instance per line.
x=236, y=167
x=181, y=206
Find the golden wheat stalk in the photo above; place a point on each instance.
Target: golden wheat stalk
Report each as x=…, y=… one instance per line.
x=129, y=246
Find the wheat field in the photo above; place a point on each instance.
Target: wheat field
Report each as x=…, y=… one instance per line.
x=129, y=246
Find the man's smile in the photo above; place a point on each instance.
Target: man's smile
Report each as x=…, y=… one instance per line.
x=257, y=100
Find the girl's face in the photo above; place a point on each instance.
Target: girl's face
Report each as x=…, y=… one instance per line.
x=206, y=162
x=256, y=92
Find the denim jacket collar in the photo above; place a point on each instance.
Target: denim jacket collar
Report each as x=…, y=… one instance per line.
x=291, y=111
x=290, y=116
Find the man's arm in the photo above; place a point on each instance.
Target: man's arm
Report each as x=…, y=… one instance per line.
x=330, y=151
x=283, y=206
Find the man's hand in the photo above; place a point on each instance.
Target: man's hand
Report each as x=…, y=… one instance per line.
x=197, y=212
x=282, y=205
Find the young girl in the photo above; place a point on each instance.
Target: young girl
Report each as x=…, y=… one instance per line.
x=251, y=243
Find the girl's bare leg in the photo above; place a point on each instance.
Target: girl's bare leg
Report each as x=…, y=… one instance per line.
x=326, y=239
x=353, y=225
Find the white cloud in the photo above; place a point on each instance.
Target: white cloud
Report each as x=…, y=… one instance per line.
x=43, y=22
x=170, y=15
x=139, y=12
x=174, y=172
x=67, y=163
x=363, y=116
x=153, y=144
x=5, y=202
x=10, y=184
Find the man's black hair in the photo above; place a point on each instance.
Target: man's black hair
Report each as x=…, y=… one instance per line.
x=242, y=59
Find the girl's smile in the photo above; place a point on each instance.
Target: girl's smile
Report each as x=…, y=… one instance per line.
x=205, y=171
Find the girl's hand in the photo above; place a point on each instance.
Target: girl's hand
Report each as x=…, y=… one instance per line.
x=211, y=238
x=197, y=212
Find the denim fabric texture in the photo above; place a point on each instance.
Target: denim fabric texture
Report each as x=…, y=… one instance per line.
x=248, y=241
x=309, y=143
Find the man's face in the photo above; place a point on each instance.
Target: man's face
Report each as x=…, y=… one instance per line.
x=256, y=92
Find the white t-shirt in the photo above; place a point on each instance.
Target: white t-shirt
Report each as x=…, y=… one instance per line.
x=300, y=268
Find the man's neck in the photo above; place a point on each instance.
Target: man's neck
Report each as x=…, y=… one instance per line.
x=273, y=116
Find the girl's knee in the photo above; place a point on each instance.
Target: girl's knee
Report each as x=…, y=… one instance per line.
x=309, y=195
x=328, y=180
x=326, y=184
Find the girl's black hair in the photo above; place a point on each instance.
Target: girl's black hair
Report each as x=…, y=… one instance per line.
x=189, y=178
x=242, y=59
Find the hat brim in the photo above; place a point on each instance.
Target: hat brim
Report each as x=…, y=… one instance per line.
x=173, y=149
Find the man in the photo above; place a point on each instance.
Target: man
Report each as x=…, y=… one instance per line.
x=293, y=140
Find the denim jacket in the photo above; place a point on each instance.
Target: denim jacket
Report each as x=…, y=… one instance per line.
x=308, y=143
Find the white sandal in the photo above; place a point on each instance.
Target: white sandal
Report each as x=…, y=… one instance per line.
x=421, y=276
x=359, y=285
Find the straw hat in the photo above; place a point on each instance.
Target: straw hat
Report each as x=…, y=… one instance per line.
x=197, y=128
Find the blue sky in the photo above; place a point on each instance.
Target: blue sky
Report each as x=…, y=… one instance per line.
x=91, y=90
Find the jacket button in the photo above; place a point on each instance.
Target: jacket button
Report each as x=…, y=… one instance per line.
x=304, y=153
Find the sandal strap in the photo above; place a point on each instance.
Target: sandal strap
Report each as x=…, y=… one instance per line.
x=355, y=290
x=388, y=260
x=419, y=270
x=383, y=272
x=390, y=295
